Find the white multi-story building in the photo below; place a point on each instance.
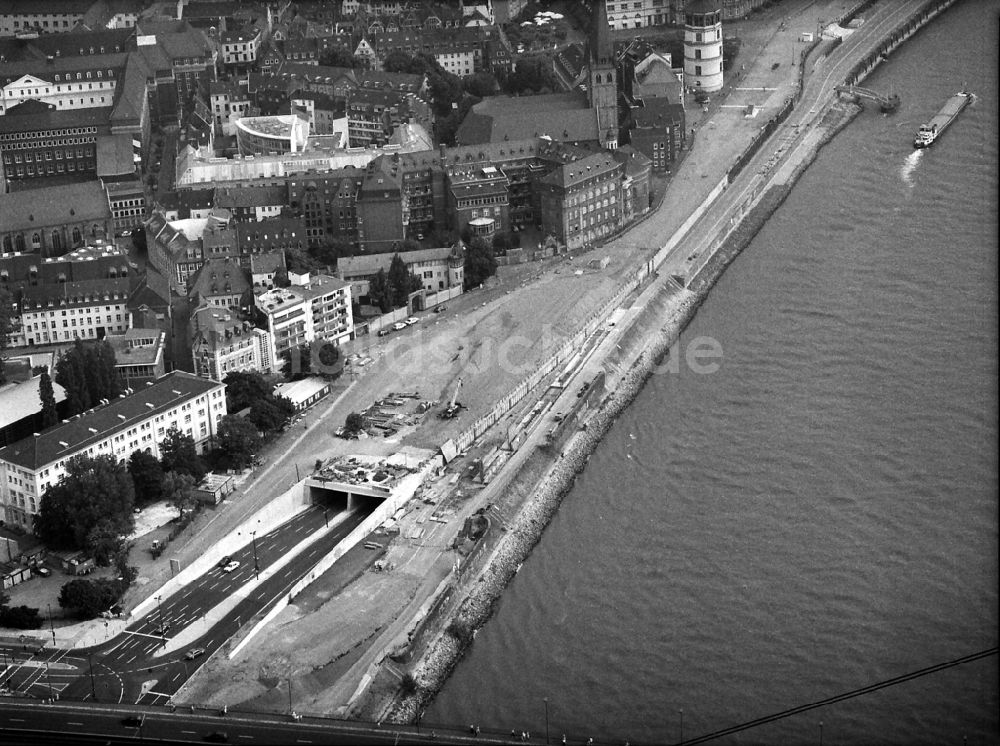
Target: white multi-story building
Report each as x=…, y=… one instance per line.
x=138, y=421
x=240, y=47
x=83, y=82
x=64, y=312
x=222, y=344
x=313, y=308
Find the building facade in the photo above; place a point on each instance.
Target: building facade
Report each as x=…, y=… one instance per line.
x=581, y=202
x=137, y=421
x=222, y=343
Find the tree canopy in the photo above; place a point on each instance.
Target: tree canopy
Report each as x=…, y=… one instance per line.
x=94, y=490
x=178, y=453
x=239, y=440
x=178, y=489
x=147, y=476
x=392, y=289
x=267, y=411
x=479, y=263
x=87, y=598
x=87, y=373
x=49, y=415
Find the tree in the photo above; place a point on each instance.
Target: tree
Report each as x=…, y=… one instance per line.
x=87, y=373
x=338, y=57
x=479, y=263
x=379, y=291
x=92, y=490
x=9, y=323
x=402, y=282
x=271, y=414
x=299, y=260
x=239, y=440
x=88, y=598
x=20, y=617
x=147, y=476
x=104, y=542
x=354, y=423
x=243, y=389
x=49, y=414
x=480, y=84
x=178, y=488
x=178, y=453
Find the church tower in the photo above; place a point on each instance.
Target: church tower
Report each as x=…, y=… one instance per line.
x=602, y=83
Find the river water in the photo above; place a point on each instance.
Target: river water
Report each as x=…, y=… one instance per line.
x=819, y=515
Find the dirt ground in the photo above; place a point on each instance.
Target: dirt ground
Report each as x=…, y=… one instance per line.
x=491, y=338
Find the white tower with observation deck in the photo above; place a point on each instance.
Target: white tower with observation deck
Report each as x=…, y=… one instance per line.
x=703, y=45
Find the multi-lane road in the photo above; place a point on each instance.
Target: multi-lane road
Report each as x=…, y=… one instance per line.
x=144, y=664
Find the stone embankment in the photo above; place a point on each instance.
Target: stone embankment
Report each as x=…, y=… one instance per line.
x=643, y=349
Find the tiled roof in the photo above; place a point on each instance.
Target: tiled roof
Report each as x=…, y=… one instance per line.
x=561, y=116
x=72, y=437
x=570, y=174
x=48, y=69
x=43, y=120
x=364, y=264
x=218, y=276
x=78, y=294
x=55, y=205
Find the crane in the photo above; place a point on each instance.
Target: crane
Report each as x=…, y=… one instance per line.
x=453, y=406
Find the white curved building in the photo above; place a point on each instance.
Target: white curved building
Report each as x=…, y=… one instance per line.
x=286, y=133
x=703, y=45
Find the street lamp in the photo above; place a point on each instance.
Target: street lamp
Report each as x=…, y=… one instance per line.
x=159, y=616
x=51, y=627
x=546, y=701
x=93, y=686
x=682, y=726
x=256, y=564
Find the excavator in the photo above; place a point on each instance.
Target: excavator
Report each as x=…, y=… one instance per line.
x=453, y=406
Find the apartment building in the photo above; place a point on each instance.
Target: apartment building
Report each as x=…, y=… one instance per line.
x=312, y=308
x=222, y=343
x=136, y=421
x=581, y=201
x=67, y=311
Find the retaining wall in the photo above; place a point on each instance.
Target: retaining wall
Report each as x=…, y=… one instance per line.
x=281, y=509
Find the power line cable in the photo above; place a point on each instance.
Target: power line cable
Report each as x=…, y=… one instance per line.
x=839, y=697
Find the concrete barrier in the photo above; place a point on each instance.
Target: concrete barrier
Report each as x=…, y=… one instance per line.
x=280, y=510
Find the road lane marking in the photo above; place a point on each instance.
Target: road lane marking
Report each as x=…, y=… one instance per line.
x=243, y=736
x=16, y=720
x=76, y=724
x=189, y=732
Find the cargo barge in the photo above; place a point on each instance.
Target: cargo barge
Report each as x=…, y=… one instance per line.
x=930, y=132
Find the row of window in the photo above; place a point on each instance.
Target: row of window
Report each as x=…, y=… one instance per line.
x=71, y=166
x=49, y=133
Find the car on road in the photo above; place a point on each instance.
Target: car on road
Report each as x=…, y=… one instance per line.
x=383, y=332
x=231, y=566
x=194, y=653
x=134, y=721
x=398, y=325
x=225, y=561
x=162, y=629
x=217, y=736
x=439, y=309
x=412, y=320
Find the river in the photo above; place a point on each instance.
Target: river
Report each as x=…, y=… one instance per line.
x=819, y=515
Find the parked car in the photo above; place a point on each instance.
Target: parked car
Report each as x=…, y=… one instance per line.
x=194, y=653
x=412, y=320
x=231, y=566
x=398, y=325
x=43, y=571
x=439, y=309
x=383, y=332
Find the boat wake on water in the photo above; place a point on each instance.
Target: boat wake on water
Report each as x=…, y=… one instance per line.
x=909, y=166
